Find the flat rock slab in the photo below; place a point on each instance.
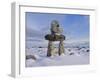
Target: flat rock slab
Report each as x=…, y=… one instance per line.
x=51, y=37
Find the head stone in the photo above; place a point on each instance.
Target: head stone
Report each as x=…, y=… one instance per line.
x=55, y=27
x=54, y=23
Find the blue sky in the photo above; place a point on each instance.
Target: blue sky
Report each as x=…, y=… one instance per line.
x=75, y=26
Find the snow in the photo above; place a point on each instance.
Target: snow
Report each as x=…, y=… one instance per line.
x=72, y=56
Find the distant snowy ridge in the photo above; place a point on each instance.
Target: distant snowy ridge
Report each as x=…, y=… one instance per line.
x=44, y=44
x=77, y=44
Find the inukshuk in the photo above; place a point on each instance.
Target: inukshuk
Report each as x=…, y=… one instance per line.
x=56, y=35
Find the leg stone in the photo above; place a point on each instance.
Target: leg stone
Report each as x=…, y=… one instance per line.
x=50, y=48
x=61, y=48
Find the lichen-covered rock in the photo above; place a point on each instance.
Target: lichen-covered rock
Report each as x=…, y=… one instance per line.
x=56, y=35
x=50, y=48
x=51, y=37
x=61, y=48
x=55, y=27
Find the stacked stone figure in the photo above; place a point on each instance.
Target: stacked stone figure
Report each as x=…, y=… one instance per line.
x=56, y=35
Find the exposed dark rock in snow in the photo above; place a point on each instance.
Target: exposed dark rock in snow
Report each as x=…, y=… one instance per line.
x=71, y=53
x=30, y=57
x=87, y=50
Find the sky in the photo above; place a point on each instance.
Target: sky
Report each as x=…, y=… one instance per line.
x=75, y=26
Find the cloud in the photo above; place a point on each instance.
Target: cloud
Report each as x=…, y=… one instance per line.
x=33, y=33
x=36, y=34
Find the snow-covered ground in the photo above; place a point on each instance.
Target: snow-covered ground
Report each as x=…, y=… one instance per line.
x=73, y=56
